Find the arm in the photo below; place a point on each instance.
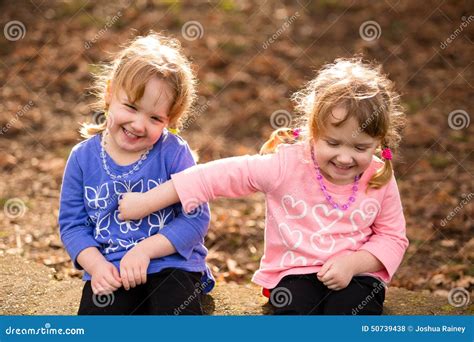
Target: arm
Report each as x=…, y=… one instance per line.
x=364, y=262
x=181, y=235
x=75, y=227
x=337, y=272
x=134, y=264
x=388, y=242
x=229, y=177
x=135, y=205
x=76, y=232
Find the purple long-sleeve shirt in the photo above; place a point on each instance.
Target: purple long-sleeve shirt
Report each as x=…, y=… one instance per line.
x=89, y=207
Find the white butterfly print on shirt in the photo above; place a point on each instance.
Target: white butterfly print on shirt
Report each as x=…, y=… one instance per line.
x=129, y=243
x=102, y=227
x=122, y=188
x=97, y=197
x=110, y=248
x=157, y=220
x=126, y=186
x=127, y=226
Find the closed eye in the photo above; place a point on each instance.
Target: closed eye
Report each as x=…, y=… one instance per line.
x=132, y=107
x=331, y=143
x=157, y=118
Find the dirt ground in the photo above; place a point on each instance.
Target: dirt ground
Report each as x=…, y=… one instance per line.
x=29, y=288
x=249, y=62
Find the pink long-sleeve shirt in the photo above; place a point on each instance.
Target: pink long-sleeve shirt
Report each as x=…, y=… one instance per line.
x=302, y=230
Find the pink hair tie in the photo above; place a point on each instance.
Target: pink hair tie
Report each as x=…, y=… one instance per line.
x=387, y=153
x=296, y=133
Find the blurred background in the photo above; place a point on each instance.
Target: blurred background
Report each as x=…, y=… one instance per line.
x=249, y=56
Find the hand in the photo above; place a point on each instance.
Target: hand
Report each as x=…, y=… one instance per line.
x=105, y=278
x=133, y=267
x=133, y=206
x=337, y=272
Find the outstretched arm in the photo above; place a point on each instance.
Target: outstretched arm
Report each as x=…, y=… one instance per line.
x=228, y=177
x=135, y=205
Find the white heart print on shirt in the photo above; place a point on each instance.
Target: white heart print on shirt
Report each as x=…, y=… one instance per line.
x=333, y=215
x=293, y=209
x=323, y=243
x=291, y=238
x=367, y=211
x=289, y=259
x=321, y=240
x=364, y=216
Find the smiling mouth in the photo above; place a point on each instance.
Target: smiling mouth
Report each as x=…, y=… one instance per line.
x=130, y=134
x=342, y=167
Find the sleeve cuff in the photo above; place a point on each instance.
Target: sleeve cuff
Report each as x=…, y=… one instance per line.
x=389, y=259
x=75, y=248
x=187, y=187
x=182, y=248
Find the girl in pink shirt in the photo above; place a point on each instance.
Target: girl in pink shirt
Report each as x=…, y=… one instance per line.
x=335, y=230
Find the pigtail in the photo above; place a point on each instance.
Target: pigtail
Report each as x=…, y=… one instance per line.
x=383, y=175
x=280, y=136
x=99, y=124
x=88, y=129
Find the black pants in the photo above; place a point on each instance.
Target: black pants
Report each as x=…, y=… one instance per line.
x=169, y=292
x=306, y=295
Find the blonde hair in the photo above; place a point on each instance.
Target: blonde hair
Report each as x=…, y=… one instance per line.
x=143, y=58
x=367, y=95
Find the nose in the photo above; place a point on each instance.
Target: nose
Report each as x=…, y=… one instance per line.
x=138, y=124
x=344, y=159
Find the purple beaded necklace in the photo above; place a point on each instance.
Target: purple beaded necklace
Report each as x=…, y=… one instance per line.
x=319, y=177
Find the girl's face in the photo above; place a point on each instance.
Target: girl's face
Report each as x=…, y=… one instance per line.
x=135, y=127
x=344, y=152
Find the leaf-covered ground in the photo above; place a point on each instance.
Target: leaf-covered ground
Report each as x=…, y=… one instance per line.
x=250, y=56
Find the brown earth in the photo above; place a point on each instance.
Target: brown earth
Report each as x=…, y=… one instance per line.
x=29, y=288
x=243, y=80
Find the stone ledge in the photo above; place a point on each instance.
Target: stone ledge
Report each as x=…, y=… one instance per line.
x=29, y=288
